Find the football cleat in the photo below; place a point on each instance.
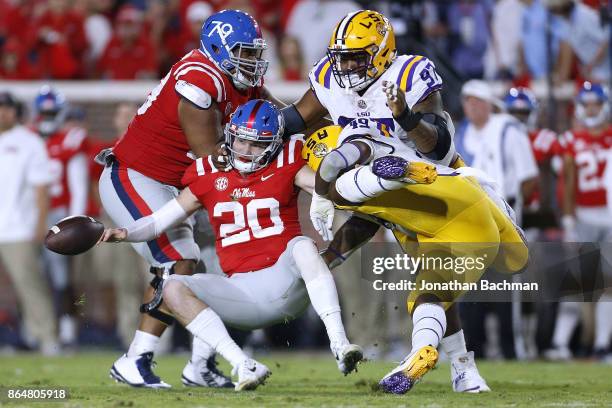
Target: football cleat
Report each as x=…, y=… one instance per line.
x=465, y=376
x=558, y=354
x=137, y=371
x=250, y=375
x=400, y=169
x=410, y=371
x=347, y=357
x=205, y=374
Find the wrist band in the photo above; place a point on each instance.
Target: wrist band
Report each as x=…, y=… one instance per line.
x=408, y=119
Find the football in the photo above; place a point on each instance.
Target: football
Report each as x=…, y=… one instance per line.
x=74, y=235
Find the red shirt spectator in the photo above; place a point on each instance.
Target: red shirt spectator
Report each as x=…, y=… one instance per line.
x=130, y=53
x=188, y=38
x=62, y=41
x=14, y=63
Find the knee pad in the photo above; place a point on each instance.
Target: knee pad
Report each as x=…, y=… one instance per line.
x=157, y=283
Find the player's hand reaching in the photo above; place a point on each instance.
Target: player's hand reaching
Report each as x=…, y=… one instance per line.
x=396, y=98
x=113, y=235
x=322, y=216
x=221, y=159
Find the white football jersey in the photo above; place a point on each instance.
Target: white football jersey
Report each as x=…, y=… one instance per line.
x=414, y=74
x=382, y=145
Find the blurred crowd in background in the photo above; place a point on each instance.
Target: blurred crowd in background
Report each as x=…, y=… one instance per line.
x=114, y=39
x=96, y=296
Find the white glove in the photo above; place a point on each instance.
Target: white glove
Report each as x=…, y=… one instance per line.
x=322, y=216
x=568, y=222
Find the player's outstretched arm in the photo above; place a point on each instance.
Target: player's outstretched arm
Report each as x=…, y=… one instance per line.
x=150, y=227
x=426, y=123
x=305, y=179
x=354, y=233
x=202, y=127
x=303, y=114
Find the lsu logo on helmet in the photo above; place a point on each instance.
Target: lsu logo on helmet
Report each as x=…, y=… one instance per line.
x=319, y=143
x=361, y=49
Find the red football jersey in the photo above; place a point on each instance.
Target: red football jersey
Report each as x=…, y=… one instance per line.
x=254, y=216
x=154, y=143
x=589, y=153
x=62, y=146
x=545, y=145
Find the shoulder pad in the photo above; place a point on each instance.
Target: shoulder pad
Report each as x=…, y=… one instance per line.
x=321, y=73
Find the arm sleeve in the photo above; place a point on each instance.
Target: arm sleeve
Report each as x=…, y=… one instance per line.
x=77, y=173
x=341, y=158
x=150, y=227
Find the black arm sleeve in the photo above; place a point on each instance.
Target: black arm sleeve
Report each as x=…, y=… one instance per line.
x=294, y=123
x=444, y=141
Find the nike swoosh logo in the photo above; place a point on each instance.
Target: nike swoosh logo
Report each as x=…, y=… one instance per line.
x=264, y=178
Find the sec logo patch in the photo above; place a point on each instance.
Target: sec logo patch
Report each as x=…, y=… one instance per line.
x=221, y=183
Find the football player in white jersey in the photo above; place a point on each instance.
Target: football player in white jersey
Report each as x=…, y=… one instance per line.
x=402, y=95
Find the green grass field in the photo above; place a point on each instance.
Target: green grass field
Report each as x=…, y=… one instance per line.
x=310, y=380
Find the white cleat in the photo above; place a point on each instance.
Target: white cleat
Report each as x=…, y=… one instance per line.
x=347, y=357
x=465, y=376
x=558, y=354
x=205, y=373
x=250, y=374
x=137, y=371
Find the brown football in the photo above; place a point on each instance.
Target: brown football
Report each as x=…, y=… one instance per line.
x=74, y=235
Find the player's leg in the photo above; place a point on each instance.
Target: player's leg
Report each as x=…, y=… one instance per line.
x=430, y=308
x=603, y=307
x=22, y=262
x=569, y=312
x=324, y=299
x=128, y=195
x=188, y=298
x=59, y=268
x=428, y=328
x=366, y=182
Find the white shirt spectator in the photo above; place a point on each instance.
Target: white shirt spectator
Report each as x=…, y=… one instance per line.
x=98, y=31
x=502, y=150
x=503, y=49
x=584, y=32
x=24, y=165
x=312, y=23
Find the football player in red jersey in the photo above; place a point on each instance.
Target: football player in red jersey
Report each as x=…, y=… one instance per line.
x=67, y=148
x=522, y=104
x=585, y=213
x=180, y=121
x=272, y=269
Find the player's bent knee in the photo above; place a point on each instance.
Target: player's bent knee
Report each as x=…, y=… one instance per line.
x=174, y=290
x=307, y=258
